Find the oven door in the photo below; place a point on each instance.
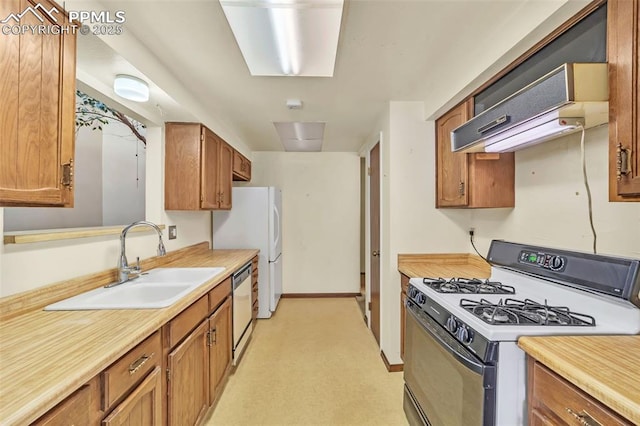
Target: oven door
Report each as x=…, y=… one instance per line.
x=445, y=383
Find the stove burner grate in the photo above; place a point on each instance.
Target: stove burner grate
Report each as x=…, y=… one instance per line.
x=467, y=286
x=525, y=312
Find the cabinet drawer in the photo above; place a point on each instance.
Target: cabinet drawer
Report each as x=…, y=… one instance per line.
x=219, y=293
x=186, y=321
x=130, y=369
x=568, y=402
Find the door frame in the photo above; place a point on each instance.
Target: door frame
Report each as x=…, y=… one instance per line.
x=378, y=138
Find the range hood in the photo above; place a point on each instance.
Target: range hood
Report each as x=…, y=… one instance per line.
x=572, y=96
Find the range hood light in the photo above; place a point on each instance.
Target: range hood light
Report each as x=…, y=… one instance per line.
x=512, y=141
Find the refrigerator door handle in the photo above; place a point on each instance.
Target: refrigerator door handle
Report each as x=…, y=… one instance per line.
x=277, y=223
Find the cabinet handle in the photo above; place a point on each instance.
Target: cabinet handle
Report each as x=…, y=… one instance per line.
x=137, y=364
x=623, y=161
x=67, y=174
x=212, y=337
x=495, y=123
x=461, y=188
x=584, y=418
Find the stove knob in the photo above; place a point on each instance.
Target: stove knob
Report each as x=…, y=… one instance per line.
x=412, y=292
x=556, y=263
x=421, y=299
x=451, y=324
x=464, y=335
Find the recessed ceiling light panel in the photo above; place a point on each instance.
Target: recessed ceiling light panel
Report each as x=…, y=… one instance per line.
x=286, y=37
x=300, y=136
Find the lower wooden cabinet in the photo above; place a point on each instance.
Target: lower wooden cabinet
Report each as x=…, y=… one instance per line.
x=187, y=378
x=254, y=291
x=404, y=284
x=555, y=401
x=143, y=407
x=80, y=408
x=219, y=348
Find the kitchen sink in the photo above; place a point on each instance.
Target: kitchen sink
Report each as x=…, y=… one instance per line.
x=157, y=288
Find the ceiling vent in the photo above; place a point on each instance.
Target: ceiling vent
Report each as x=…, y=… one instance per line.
x=567, y=99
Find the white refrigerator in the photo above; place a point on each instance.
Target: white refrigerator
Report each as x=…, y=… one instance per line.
x=255, y=221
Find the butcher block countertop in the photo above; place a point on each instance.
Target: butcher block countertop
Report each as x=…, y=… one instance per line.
x=46, y=355
x=605, y=367
x=447, y=265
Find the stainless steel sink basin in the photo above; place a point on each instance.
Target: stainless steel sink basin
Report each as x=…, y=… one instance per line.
x=158, y=288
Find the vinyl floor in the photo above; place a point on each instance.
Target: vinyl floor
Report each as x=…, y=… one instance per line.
x=313, y=363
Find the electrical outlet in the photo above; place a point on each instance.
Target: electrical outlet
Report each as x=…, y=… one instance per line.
x=471, y=232
x=173, y=232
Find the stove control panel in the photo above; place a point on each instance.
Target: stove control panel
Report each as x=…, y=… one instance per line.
x=543, y=260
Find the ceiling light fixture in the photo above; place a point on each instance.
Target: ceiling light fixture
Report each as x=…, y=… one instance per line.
x=286, y=37
x=284, y=21
x=131, y=88
x=300, y=136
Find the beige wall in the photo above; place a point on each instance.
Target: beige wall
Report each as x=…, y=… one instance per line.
x=321, y=213
x=412, y=223
x=27, y=266
x=551, y=201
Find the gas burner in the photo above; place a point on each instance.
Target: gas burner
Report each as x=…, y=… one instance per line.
x=467, y=286
x=525, y=312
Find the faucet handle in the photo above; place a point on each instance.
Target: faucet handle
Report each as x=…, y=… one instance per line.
x=137, y=268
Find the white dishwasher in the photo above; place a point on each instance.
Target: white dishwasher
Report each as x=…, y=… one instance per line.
x=241, y=310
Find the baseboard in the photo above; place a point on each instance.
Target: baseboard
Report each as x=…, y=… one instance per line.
x=391, y=368
x=316, y=295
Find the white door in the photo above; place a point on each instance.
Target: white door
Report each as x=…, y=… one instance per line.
x=275, y=281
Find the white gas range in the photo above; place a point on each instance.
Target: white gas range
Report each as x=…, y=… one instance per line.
x=462, y=364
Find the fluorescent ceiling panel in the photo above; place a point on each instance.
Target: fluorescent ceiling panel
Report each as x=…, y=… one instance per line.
x=300, y=136
x=286, y=37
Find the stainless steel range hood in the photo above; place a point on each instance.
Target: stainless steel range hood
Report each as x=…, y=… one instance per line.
x=572, y=96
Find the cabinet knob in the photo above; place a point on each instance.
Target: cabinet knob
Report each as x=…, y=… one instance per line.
x=375, y=253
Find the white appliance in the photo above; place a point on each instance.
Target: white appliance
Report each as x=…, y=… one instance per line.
x=461, y=334
x=255, y=221
x=242, y=310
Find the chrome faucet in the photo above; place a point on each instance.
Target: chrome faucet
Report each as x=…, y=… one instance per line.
x=126, y=272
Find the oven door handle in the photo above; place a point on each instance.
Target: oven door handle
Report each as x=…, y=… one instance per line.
x=429, y=326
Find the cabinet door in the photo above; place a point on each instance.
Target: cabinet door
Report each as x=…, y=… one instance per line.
x=209, y=197
x=623, y=38
x=225, y=171
x=238, y=164
x=37, y=112
x=220, y=346
x=187, y=381
x=80, y=408
x=451, y=167
x=143, y=407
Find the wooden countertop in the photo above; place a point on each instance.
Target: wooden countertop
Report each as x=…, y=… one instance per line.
x=605, y=367
x=446, y=265
x=46, y=355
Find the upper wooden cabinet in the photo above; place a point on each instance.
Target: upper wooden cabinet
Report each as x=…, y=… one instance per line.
x=470, y=180
x=623, y=38
x=37, y=112
x=198, y=166
x=241, y=167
